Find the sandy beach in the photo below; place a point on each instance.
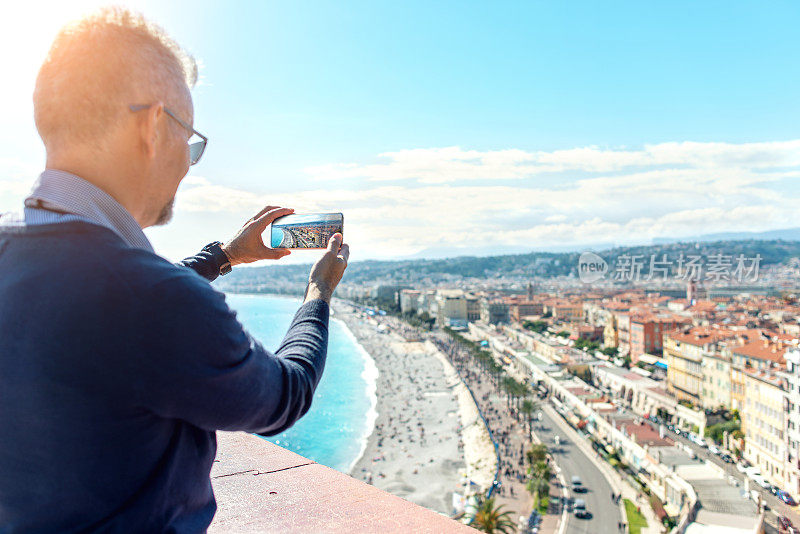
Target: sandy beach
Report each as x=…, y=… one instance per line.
x=427, y=434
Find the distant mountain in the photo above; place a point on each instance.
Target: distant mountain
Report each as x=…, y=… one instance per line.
x=437, y=253
x=786, y=234
x=288, y=278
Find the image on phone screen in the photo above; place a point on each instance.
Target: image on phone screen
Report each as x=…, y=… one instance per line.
x=310, y=230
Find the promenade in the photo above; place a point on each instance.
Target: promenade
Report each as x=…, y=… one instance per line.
x=509, y=433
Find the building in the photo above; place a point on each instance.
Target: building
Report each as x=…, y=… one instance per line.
x=647, y=332
x=570, y=311
x=792, y=377
x=716, y=387
x=473, y=308
x=387, y=292
x=494, y=311
x=610, y=334
x=451, y=307
x=409, y=300
x=764, y=424
x=751, y=349
x=684, y=352
x=519, y=309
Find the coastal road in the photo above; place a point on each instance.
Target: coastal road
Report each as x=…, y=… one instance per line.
x=573, y=461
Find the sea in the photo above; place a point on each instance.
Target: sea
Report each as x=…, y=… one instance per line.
x=334, y=432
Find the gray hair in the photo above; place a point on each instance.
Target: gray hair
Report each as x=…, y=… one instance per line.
x=100, y=64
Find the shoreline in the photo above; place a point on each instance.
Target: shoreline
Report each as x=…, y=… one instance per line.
x=419, y=409
x=427, y=439
x=370, y=375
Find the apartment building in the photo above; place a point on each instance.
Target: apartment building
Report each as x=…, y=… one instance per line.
x=473, y=308
x=409, y=300
x=647, y=332
x=751, y=349
x=570, y=311
x=716, y=387
x=685, y=352
x=518, y=309
x=764, y=424
x=494, y=311
x=792, y=377
x=451, y=307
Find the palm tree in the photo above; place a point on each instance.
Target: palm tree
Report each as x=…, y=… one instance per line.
x=537, y=453
x=538, y=487
x=509, y=385
x=493, y=519
x=541, y=469
x=527, y=409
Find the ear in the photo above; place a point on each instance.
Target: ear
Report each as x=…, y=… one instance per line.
x=148, y=128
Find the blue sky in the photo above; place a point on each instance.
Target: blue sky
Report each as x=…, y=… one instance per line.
x=469, y=126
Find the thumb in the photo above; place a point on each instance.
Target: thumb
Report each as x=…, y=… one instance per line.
x=335, y=242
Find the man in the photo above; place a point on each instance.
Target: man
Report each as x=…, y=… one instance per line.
x=116, y=366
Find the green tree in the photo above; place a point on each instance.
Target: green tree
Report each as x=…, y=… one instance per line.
x=493, y=519
x=526, y=409
x=537, y=453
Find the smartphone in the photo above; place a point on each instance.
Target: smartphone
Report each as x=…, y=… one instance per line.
x=310, y=230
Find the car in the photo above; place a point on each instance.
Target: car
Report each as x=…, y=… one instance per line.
x=713, y=449
x=761, y=481
x=727, y=458
x=785, y=497
x=742, y=465
x=577, y=485
x=773, y=489
x=785, y=524
x=579, y=509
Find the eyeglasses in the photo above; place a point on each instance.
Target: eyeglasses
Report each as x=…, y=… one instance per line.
x=196, y=148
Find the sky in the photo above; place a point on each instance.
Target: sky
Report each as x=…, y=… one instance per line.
x=466, y=127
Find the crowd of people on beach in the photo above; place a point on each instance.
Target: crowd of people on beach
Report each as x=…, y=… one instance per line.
x=418, y=425
x=501, y=418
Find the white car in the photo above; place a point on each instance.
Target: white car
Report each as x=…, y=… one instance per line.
x=713, y=449
x=740, y=467
x=754, y=474
x=758, y=479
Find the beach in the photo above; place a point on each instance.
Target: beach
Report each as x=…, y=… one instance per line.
x=427, y=438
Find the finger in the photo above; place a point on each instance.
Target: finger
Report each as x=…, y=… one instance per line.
x=262, y=212
x=271, y=215
x=274, y=253
x=344, y=251
x=335, y=242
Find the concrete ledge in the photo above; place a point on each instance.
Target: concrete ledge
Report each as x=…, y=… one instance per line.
x=261, y=487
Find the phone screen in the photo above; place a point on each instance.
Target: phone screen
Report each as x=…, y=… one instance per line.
x=310, y=230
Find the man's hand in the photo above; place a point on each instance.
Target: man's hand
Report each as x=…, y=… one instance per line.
x=327, y=272
x=248, y=246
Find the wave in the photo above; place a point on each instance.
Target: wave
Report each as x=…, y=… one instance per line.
x=370, y=376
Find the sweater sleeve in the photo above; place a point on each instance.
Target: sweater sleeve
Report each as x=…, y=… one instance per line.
x=203, y=367
x=205, y=263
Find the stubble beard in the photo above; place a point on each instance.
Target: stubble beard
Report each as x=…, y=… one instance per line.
x=166, y=213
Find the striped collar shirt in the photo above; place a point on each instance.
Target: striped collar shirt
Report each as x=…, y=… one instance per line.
x=59, y=196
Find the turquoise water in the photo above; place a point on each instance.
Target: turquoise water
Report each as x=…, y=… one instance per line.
x=335, y=429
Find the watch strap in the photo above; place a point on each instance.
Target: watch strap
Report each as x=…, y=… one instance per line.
x=222, y=259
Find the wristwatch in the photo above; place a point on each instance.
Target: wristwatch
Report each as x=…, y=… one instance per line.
x=216, y=250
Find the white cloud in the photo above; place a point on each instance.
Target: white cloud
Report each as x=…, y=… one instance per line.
x=670, y=189
x=621, y=207
x=453, y=164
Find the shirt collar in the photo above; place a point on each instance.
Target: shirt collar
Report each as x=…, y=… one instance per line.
x=64, y=191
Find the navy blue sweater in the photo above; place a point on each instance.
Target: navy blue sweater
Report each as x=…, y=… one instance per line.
x=116, y=369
